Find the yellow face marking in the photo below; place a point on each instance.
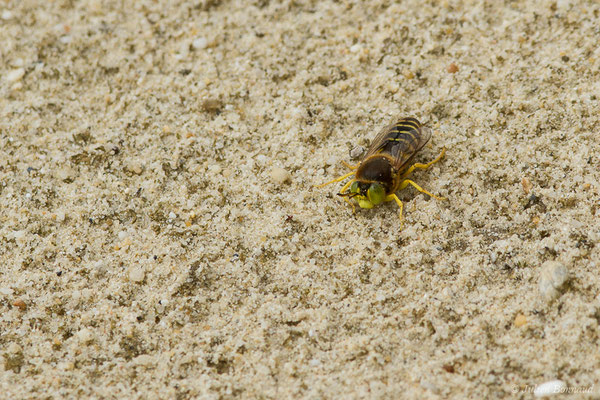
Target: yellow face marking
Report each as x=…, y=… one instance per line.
x=363, y=202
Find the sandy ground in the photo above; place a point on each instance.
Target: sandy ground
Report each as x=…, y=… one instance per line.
x=160, y=235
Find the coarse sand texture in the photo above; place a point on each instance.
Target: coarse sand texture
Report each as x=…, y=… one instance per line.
x=162, y=235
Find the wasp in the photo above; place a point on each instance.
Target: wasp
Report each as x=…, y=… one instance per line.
x=385, y=167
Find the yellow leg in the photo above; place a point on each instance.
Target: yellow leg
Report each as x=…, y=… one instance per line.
x=350, y=166
x=341, y=178
x=407, y=182
x=425, y=166
x=346, y=186
x=346, y=199
x=393, y=196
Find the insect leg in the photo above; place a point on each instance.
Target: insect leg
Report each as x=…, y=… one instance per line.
x=341, y=178
x=350, y=166
x=346, y=199
x=425, y=166
x=407, y=182
x=393, y=196
x=346, y=186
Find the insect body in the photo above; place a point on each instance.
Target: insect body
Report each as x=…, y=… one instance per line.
x=387, y=164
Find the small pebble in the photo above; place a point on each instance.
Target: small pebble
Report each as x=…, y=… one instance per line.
x=134, y=167
x=6, y=15
x=314, y=362
x=549, y=388
x=66, y=365
x=520, y=320
x=160, y=307
x=212, y=105
x=392, y=87
x=356, y=48
x=137, y=274
x=85, y=336
x=64, y=173
x=95, y=6
x=14, y=348
x=428, y=385
x=144, y=360
x=452, y=68
x=15, y=75
x=19, y=303
x=563, y=5
x=6, y=291
x=280, y=175
x=408, y=74
x=214, y=169
x=200, y=43
x=552, y=278
x=356, y=152
x=449, y=368
x=526, y=183
x=172, y=215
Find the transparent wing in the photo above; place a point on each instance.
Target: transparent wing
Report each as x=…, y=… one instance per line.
x=380, y=140
x=400, y=141
x=404, y=156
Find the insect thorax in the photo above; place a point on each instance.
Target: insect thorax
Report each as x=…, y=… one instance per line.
x=377, y=168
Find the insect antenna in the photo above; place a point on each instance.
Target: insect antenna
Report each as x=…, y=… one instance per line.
x=348, y=194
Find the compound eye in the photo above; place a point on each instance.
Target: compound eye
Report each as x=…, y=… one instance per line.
x=354, y=188
x=376, y=193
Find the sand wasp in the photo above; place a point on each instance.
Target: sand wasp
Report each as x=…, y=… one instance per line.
x=385, y=167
